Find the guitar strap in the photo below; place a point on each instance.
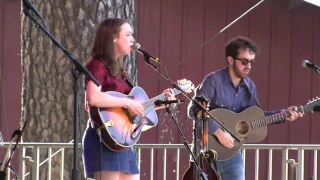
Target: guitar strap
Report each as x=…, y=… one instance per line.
x=129, y=82
x=254, y=97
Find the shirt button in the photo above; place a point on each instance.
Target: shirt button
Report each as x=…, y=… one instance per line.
x=222, y=105
x=234, y=108
x=237, y=94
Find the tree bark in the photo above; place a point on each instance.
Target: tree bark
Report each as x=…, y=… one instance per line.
x=47, y=92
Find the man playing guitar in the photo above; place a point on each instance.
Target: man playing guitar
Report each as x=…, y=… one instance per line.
x=230, y=88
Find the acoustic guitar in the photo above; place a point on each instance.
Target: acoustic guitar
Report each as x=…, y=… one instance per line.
x=249, y=126
x=121, y=130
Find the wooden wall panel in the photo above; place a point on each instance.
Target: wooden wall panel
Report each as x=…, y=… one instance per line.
x=10, y=71
x=215, y=21
x=280, y=66
x=148, y=35
x=302, y=42
x=286, y=38
x=259, y=30
x=315, y=89
x=170, y=54
x=10, y=82
x=2, y=125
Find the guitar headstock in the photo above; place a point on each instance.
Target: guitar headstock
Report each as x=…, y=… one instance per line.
x=313, y=105
x=186, y=85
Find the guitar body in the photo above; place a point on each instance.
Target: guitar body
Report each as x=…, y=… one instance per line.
x=239, y=125
x=120, y=130
x=206, y=165
x=249, y=126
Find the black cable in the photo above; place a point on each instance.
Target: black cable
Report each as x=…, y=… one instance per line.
x=79, y=123
x=101, y=154
x=13, y=170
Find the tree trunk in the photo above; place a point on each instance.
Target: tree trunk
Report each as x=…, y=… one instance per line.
x=47, y=94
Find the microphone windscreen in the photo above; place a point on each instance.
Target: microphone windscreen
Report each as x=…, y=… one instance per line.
x=305, y=62
x=136, y=46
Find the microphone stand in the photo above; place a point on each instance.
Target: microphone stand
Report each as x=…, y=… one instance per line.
x=203, y=175
x=16, y=134
x=195, y=103
x=76, y=71
x=197, y=140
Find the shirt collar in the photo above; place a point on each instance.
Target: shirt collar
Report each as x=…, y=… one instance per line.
x=227, y=78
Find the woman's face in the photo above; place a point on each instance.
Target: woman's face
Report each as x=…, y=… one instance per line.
x=123, y=41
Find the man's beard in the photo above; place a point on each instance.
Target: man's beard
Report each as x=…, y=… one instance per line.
x=237, y=71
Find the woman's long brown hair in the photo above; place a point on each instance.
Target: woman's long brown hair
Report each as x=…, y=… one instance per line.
x=103, y=47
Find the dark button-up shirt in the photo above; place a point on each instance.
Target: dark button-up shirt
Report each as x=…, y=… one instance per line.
x=219, y=89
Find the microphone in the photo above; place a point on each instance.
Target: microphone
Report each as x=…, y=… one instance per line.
x=306, y=63
x=166, y=102
x=27, y=4
x=137, y=47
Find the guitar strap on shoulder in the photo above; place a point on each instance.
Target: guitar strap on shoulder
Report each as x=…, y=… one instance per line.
x=254, y=97
x=129, y=82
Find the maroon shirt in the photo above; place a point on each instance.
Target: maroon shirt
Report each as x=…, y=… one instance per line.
x=108, y=82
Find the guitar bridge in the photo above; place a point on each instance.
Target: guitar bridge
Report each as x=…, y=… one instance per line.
x=136, y=131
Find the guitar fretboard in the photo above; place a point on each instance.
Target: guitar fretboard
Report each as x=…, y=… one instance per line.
x=276, y=118
x=162, y=97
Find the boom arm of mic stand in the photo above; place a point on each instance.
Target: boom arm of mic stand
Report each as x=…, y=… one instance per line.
x=196, y=103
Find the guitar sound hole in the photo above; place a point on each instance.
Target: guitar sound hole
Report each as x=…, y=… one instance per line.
x=242, y=128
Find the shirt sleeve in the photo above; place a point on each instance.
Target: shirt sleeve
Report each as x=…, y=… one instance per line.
x=98, y=70
x=269, y=113
x=266, y=113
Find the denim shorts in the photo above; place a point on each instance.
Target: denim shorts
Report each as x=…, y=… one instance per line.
x=95, y=152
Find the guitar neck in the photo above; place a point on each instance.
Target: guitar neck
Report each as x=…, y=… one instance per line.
x=162, y=97
x=273, y=119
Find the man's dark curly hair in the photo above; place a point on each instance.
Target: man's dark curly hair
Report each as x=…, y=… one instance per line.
x=240, y=42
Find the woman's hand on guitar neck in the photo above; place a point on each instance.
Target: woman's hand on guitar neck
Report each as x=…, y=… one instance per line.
x=224, y=138
x=134, y=107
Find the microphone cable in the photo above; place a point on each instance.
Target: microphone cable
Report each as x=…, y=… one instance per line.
x=101, y=152
x=11, y=170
